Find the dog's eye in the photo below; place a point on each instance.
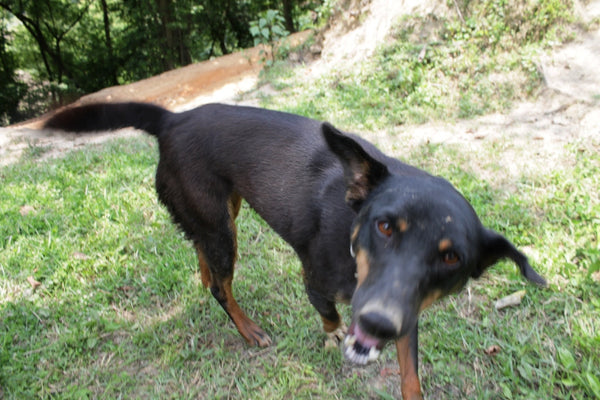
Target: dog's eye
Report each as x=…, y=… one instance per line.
x=385, y=228
x=450, y=258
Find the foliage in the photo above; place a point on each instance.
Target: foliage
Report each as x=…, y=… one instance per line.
x=11, y=90
x=268, y=30
x=48, y=23
x=70, y=47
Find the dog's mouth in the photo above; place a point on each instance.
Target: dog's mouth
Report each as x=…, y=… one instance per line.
x=361, y=348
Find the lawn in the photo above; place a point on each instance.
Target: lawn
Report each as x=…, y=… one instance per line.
x=100, y=295
x=119, y=311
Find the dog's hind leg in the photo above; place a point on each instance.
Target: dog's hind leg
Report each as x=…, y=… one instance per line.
x=233, y=207
x=205, y=274
x=205, y=209
x=216, y=254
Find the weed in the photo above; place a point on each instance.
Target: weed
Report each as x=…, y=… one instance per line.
x=435, y=67
x=268, y=30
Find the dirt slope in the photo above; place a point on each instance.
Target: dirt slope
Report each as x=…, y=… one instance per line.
x=532, y=134
x=219, y=79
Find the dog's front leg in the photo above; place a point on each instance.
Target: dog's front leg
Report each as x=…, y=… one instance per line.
x=407, y=351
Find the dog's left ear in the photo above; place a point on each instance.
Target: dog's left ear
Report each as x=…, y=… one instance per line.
x=495, y=247
x=361, y=171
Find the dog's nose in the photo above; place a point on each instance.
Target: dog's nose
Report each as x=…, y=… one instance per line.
x=379, y=325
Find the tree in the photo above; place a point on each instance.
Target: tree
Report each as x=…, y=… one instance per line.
x=71, y=47
x=157, y=36
x=268, y=30
x=48, y=22
x=108, y=41
x=11, y=90
x=288, y=7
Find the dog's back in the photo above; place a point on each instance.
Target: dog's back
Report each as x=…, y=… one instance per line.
x=278, y=162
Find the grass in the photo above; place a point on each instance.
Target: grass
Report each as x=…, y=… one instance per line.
x=120, y=311
x=549, y=344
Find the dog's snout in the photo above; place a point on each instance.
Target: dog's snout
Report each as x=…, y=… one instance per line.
x=379, y=325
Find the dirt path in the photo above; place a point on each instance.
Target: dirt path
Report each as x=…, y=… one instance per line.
x=531, y=135
x=221, y=79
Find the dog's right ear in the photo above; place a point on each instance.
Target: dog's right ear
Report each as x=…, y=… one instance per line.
x=361, y=171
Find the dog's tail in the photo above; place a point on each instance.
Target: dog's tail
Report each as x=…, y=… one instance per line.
x=110, y=116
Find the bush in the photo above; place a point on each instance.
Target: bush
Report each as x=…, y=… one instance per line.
x=268, y=30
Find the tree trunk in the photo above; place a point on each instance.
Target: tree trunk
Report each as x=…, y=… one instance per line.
x=164, y=12
x=288, y=7
x=108, y=41
x=239, y=24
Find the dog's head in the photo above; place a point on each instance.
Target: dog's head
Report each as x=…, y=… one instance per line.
x=415, y=239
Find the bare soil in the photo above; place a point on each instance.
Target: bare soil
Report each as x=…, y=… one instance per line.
x=531, y=136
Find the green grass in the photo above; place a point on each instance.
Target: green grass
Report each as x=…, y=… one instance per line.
x=121, y=312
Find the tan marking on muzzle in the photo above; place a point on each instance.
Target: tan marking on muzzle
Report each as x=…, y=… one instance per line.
x=430, y=299
x=362, y=266
x=377, y=306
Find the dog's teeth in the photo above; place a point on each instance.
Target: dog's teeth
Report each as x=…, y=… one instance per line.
x=356, y=358
x=373, y=354
x=349, y=340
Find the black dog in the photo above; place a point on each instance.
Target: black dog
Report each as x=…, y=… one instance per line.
x=412, y=236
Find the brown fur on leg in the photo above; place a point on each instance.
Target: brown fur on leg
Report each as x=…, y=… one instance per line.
x=410, y=385
x=253, y=334
x=205, y=274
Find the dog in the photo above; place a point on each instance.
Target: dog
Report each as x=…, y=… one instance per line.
x=370, y=230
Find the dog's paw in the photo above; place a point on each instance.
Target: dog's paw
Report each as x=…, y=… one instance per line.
x=336, y=337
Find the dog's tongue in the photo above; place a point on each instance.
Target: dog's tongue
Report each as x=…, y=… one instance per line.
x=359, y=347
x=364, y=339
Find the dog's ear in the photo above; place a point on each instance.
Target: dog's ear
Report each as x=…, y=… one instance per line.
x=361, y=171
x=495, y=247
